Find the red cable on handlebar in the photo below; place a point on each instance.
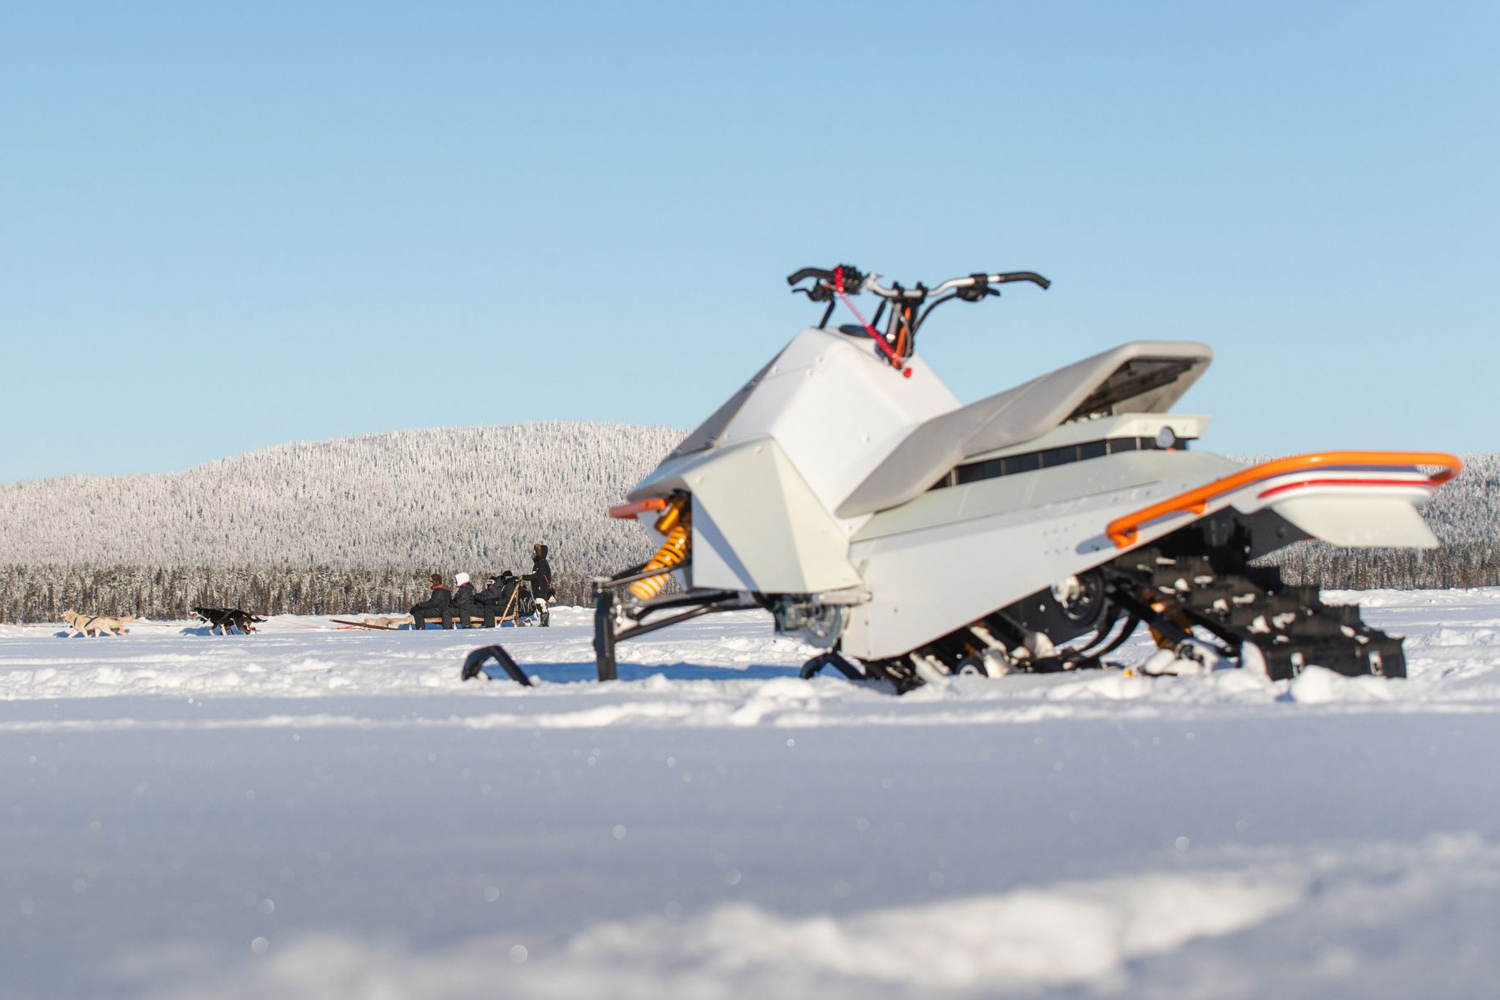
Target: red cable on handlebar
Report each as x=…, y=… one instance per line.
x=838, y=287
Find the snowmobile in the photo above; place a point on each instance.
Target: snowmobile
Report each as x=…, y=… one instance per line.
x=845, y=490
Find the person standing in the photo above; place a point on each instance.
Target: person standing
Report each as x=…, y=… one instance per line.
x=436, y=606
x=541, y=582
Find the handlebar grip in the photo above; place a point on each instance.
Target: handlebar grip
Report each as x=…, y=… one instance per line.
x=854, y=278
x=809, y=272
x=1031, y=276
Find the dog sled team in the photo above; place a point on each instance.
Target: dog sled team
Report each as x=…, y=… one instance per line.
x=506, y=599
x=223, y=619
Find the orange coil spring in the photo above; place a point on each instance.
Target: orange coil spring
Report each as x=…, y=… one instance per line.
x=672, y=552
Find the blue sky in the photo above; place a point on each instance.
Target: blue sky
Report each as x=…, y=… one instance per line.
x=226, y=227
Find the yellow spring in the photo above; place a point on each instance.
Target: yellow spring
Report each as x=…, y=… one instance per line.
x=672, y=552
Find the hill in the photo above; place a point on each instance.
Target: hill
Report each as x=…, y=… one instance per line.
x=329, y=523
x=474, y=497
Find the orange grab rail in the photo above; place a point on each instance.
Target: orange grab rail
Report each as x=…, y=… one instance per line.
x=1124, y=530
x=638, y=507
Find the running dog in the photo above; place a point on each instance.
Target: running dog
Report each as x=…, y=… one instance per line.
x=225, y=619
x=94, y=625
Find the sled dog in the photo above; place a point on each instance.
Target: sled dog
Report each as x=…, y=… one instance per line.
x=94, y=625
x=225, y=619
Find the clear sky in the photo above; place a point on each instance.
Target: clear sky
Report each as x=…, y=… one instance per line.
x=224, y=226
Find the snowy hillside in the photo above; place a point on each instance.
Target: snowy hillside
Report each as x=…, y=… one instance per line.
x=308, y=813
x=466, y=496
x=1468, y=509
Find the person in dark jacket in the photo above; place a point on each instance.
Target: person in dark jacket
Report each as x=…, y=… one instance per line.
x=437, y=605
x=494, y=590
x=464, y=603
x=541, y=582
x=498, y=598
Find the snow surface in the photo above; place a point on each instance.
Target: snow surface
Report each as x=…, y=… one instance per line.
x=309, y=812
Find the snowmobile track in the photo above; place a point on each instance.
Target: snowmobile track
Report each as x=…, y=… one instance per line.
x=1180, y=583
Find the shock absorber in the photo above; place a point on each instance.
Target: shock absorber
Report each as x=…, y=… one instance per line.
x=674, y=523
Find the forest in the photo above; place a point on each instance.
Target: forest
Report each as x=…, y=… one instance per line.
x=357, y=524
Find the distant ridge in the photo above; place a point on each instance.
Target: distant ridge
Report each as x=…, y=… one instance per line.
x=474, y=497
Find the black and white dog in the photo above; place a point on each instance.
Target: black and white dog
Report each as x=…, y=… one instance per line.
x=224, y=619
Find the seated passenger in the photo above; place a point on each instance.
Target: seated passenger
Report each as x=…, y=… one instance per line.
x=494, y=593
x=437, y=605
x=464, y=603
x=499, y=594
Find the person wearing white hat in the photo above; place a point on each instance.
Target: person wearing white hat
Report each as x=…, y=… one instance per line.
x=464, y=604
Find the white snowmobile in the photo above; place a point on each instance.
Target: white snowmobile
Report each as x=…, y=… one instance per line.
x=846, y=491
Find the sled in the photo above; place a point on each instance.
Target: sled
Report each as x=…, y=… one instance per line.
x=351, y=624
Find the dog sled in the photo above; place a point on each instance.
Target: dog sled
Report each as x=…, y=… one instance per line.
x=518, y=611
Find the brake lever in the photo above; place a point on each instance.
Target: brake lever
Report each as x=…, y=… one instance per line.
x=817, y=293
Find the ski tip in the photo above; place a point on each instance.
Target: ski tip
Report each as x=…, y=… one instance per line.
x=474, y=665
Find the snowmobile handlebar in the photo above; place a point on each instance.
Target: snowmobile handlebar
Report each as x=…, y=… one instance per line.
x=854, y=281
x=969, y=281
x=912, y=305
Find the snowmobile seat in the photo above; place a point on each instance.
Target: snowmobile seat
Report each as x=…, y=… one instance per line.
x=1144, y=376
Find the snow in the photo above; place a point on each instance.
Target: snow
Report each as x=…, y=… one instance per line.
x=313, y=812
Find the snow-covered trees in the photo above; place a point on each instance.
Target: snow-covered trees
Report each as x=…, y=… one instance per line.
x=305, y=526
x=473, y=497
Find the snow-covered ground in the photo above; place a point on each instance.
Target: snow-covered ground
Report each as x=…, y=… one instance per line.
x=313, y=813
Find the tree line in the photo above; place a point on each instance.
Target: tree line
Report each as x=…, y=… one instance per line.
x=40, y=593
x=1456, y=564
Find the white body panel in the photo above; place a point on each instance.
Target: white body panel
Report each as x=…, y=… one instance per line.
x=835, y=410
x=944, y=559
x=757, y=525
x=1358, y=519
